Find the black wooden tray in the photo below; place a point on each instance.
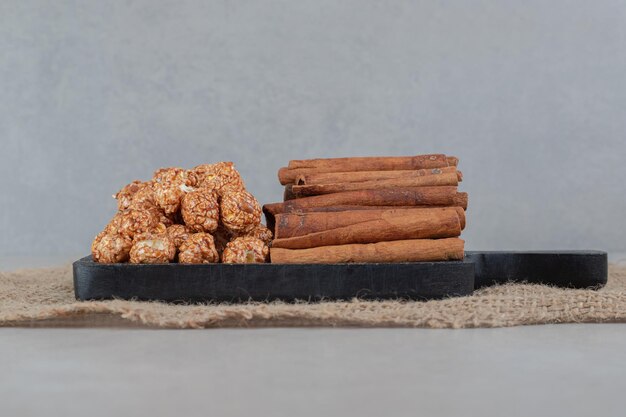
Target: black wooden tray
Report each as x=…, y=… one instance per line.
x=229, y=282
x=569, y=269
x=422, y=280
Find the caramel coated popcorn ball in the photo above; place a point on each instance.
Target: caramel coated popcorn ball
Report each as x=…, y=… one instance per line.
x=171, y=174
x=201, y=211
x=152, y=248
x=260, y=232
x=240, y=211
x=178, y=233
x=170, y=185
x=134, y=221
x=221, y=177
x=144, y=197
x=189, y=216
x=244, y=250
x=111, y=248
x=125, y=195
x=199, y=248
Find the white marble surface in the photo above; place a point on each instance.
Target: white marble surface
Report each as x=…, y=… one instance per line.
x=571, y=370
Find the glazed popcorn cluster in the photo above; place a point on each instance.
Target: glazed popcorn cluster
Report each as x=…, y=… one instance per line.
x=202, y=215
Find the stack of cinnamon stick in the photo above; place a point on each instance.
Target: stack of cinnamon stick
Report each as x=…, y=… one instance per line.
x=369, y=209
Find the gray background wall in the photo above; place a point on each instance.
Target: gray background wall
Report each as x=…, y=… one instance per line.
x=530, y=95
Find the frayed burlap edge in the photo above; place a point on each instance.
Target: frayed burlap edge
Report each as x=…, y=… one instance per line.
x=45, y=297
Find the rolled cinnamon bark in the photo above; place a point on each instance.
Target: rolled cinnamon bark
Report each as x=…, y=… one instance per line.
x=288, y=195
x=416, y=250
x=415, y=197
x=299, y=224
x=460, y=200
x=297, y=216
x=288, y=175
x=359, y=176
x=408, y=196
x=300, y=191
x=453, y=161
x=388, y=225
x=373, y=163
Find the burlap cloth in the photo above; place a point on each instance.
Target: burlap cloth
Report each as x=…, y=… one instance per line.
x=45, y=297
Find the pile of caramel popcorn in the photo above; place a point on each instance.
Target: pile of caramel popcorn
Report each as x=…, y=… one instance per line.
x=202, y=215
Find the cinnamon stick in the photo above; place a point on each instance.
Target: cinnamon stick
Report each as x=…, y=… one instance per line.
x=415, y=197
x=299, y=224
x=288, y=195
x=409, y=196
x=460, y=200
x=388, y=225
x=416, y=250
x=288, y=175
x=418, y=181
x=332, y=211
x=373, y=163
x=359, y=176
